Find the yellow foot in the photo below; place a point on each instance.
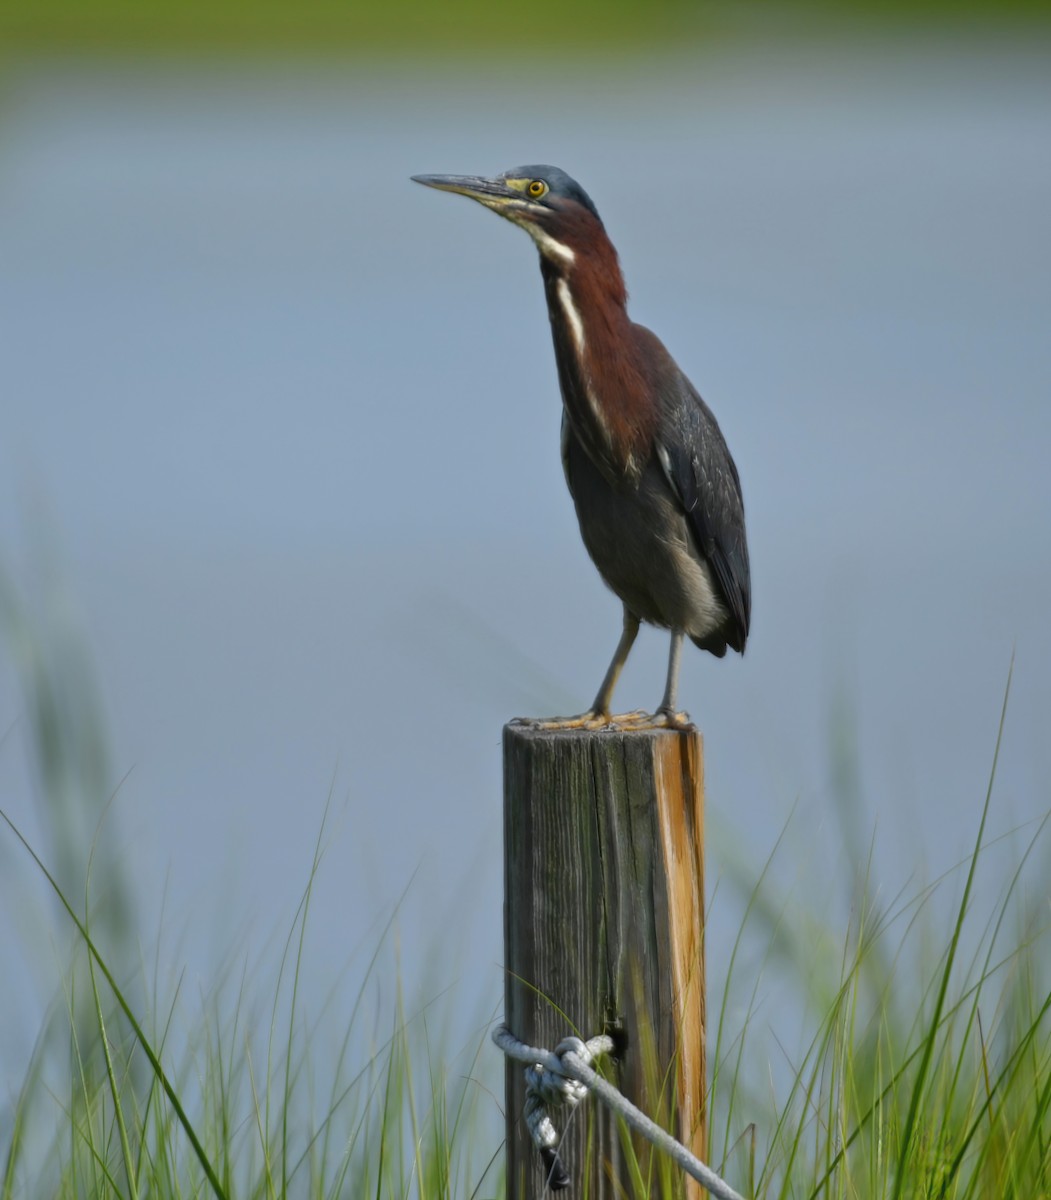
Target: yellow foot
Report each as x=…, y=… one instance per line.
x=661, y=719
x=587, y=720
x=594, y=721
x=630, y=720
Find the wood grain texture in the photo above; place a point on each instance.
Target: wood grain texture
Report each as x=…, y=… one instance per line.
x=604, y=925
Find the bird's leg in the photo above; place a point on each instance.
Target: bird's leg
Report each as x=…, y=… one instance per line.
x=666, y=717
x=598, y=715
x=666, y=714
x=671, y=688
x=601, y=704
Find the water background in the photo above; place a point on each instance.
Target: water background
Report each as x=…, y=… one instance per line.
x=289, y=426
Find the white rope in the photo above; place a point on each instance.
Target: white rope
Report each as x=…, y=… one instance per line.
x=566, y=1077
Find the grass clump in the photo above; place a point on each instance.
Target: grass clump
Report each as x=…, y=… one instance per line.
x=245, y=1112
x=925, y=1070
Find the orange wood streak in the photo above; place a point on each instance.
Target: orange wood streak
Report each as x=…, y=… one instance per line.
x=679, y=774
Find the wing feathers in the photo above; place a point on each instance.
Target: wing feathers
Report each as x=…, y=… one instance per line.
x=697, y=464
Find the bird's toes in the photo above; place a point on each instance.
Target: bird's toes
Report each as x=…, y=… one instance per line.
x=588, y=720
x=663, y=718
x=667, y=718
x=593, y=721
x=629, y=720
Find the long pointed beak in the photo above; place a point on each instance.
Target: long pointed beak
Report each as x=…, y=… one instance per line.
x=475, y=186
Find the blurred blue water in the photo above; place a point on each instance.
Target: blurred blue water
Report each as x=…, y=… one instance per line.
x=296, y=421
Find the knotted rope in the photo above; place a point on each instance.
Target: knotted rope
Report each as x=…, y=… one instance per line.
x=565, y=1077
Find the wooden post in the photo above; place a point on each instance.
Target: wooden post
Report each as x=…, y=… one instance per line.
x=603, y=926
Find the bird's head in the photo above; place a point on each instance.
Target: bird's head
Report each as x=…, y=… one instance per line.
x=550, y=206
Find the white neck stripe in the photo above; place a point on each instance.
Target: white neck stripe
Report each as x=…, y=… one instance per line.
x=549, y=247
x=576, y=322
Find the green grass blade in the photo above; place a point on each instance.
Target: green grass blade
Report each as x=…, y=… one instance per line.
x=140, y=1036
x=928, y=1048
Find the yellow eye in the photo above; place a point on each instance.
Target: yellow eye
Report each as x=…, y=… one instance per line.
x=537, y=188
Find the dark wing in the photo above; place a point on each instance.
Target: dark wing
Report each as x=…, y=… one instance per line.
x=702, y=474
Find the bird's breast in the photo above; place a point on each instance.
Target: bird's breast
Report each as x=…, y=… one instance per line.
x=639, y=539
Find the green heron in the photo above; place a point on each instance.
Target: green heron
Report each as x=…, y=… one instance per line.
x=656, y=491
